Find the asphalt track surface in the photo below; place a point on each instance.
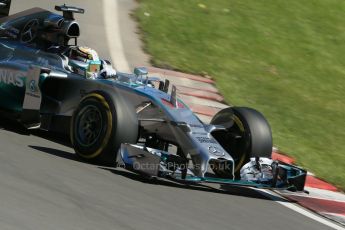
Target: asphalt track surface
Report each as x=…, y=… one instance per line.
x=44, y=186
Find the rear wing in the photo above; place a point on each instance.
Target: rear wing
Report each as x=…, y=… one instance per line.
x=68, y=11
x=5, y=6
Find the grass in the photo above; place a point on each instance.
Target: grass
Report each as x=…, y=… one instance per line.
x=284, y=58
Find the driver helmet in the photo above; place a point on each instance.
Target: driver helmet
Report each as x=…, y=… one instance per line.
x=89, y=57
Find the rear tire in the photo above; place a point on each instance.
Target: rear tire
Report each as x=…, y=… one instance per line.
x=249, y=136
x=99, y=127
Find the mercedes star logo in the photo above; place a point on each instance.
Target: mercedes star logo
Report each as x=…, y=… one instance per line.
x=215, y=151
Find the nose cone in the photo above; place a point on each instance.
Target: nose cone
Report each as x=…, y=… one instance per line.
x=209, y=156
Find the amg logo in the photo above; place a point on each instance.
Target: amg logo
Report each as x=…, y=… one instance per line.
x=10, y=77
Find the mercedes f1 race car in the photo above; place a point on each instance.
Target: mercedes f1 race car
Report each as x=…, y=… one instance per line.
x=133, y=119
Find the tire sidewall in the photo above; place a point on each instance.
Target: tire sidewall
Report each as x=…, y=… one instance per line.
x=108, y=125
x=122, y=127
x=255, y=130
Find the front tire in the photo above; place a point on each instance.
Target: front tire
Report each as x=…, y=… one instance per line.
x=248, y=136
x=98, y=128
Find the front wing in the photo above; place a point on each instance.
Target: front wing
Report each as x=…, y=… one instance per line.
x=159, y=164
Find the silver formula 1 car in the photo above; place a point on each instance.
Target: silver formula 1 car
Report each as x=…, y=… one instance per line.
x=49, y=82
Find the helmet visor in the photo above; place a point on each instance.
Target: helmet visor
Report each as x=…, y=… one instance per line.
x=94, y=66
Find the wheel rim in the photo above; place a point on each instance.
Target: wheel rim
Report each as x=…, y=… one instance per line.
x=89, y=126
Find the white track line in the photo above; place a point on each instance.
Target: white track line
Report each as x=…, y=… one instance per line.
x=275, y=197
x=112, y=28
